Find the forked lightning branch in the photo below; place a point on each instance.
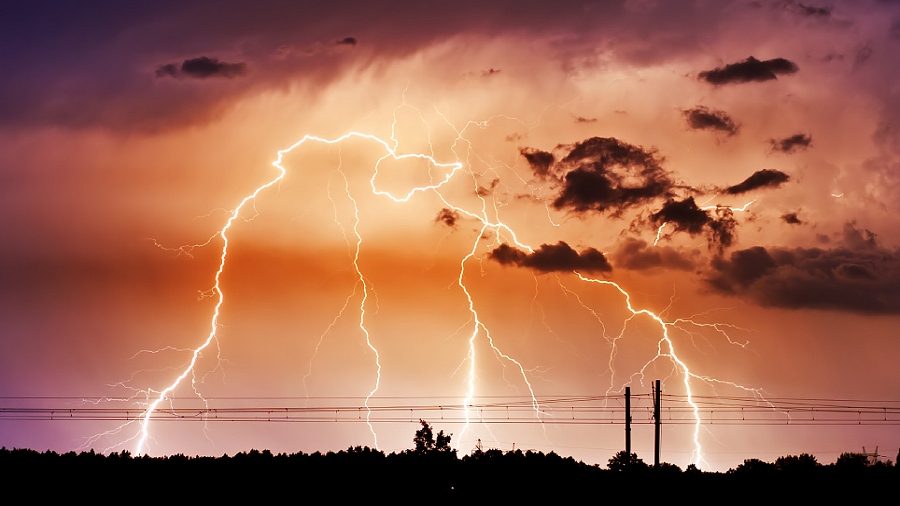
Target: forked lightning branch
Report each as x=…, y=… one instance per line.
x=490, y=226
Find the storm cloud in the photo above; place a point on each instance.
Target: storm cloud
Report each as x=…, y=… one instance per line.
x=791, y=219
x=202, y=68
x=813, y=11
x=637, y=255
x=448, y=217
x=859, y=276
x=685, y=215
x=791, y=144
x=552, y=258
x=602, y=174
x=718, y=223
x=540, y=161
x=749, y=70
x=765, y=178
x=703, y=118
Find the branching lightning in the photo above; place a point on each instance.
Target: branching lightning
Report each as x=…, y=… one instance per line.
x=666, y=349
x=440, y=174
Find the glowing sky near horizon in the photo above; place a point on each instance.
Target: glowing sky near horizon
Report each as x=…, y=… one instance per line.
x=123, y=128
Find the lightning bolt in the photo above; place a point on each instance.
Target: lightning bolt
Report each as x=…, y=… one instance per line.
x=478, y=326
x=659, y=232
x=491, y=226
x=214, y=322
x=666, y=349
x=741, y=209
x=391, y=152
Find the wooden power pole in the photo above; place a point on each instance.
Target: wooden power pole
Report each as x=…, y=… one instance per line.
x=628, y=421
x=656, y=400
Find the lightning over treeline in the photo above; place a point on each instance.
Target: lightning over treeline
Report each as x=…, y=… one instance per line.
x=482, y=202
x=597, y=177
x=474, y=207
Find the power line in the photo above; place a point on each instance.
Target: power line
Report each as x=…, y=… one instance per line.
x=563, y=410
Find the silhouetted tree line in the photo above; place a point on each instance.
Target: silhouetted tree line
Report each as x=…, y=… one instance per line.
x=430, y=472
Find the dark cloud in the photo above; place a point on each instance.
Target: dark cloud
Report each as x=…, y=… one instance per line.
x=749, y=70
x=812, y=10
x=859, y=240
x=806, y=10
x=347, y=41
x=791, y=219
x=742, y=269
x=858, y=276
x=106, y=48
x=637, y=255
x=765, y=178
x=684, y=215
x=448, y=217
x=540, y=161
x=581, y=119
x=717, y=223
x=61, y=69
x=202, y=68
x=552, y=258
x=722, y=228
x=603, y=174
x=791, y=144
x=489, y=72
x=703, y=118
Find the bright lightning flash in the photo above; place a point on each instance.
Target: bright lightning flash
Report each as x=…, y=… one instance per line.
x=487, y=214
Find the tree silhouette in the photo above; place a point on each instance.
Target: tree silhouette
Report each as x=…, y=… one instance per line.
x=623, y=461
x=426, y=443
x=796, y=463
x=755, y=467
x=852, y=461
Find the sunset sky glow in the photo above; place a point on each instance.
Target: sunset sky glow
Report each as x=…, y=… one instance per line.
x=734, y=167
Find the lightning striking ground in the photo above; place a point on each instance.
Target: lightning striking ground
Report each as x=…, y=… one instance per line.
x=440, y=174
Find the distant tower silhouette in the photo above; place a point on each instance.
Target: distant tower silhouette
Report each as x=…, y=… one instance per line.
x=873, y=457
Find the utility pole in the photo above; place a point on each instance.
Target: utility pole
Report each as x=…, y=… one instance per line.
x=628, y=421
x=871, y=457
x=656, y=400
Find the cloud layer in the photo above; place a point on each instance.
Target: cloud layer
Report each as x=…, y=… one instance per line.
x=559, y=257
x=796, y=142
x=602, y=174
x=704, y=118
x=749, y=70
x=201, y=68
x=765, y=178
x=858, y=276
x=717, y=223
